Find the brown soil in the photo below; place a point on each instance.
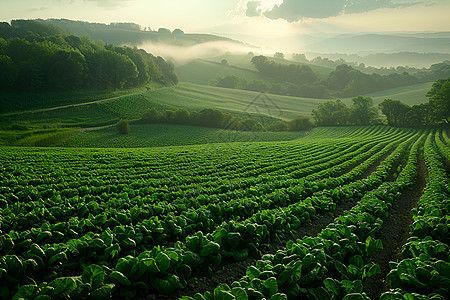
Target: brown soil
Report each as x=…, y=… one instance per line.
x=394, y=233
x=374, y=167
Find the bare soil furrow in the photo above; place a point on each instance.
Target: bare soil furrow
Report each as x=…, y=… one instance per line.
x=395, y=232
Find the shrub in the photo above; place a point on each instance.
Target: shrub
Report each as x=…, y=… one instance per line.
x=123, y=126
x=279, y=126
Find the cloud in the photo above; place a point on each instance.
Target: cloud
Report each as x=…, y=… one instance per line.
x=108, y=3
x=295, y=10
x=253, y=9
x=37, y=9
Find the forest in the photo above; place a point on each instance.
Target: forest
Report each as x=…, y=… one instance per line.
x=35, y=56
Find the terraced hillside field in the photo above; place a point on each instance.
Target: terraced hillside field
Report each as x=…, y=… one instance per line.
x=343, y=213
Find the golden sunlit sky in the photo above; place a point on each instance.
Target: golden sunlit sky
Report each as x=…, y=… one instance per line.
x=266, y=18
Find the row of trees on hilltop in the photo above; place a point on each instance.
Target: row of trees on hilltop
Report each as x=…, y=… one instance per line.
x=307, y=90
x=344, y=81
x=336, y=112
x=362, y=111
x=46, y=59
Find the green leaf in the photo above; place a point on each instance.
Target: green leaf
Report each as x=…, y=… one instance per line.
x=172, y=255
x=233, y=239
x=357, y=261
x=15, y=266
x=193, y=243
x=209, y=249
x=120, y=278
x=239, y=293
x=252, y=272
x=102, y=292
x=372, y=270
x=166, y=285
x=219, y=234
x=278, y=296
x=407, y=266
x=123, y=266
x=271, y=285
x=150, y=265
x=63, y=286
x=43, y=297
x=333, y=286
x=372, y=246
x=355, y=296
x=162, y=261
x=94, y=275
x=391, y=296
x=222, y=292
x=240, y=255
x=25, y=292
x=61, y=256
x=6, y=244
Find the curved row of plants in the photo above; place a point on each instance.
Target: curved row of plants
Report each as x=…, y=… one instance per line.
x=168, y=268
x=332, y=265
x=424, y=271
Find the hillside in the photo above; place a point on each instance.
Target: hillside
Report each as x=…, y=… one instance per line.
x=132, y=34
x=201, y=71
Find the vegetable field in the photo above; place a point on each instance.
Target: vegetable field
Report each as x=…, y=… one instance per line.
x=301, y=219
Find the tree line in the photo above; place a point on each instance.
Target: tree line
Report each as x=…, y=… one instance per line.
x=215, y=118
x=343, y=81
x=35, y=56
x=399, y=114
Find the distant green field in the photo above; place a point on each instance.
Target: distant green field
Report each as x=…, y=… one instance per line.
x=196, y=97
x=189, y=72
x=192, y=97
x=160, y=135
x=411, y=95
x=201, y=71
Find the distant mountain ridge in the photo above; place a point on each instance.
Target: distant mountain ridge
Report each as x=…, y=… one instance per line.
x=383, y=43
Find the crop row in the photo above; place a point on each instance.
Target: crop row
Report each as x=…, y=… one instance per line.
x=332, y=265
x=424, y=272
x=165, y=269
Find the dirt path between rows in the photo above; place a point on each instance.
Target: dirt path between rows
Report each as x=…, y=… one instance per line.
x=395, y=232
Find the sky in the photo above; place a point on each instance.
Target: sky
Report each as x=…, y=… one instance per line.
x=255, y=18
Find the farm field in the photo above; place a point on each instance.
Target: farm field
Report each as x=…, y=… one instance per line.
x=212, y=68
x=317, y=217
x=161, y=135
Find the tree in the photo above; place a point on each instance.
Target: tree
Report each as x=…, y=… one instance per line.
x=164, y=31
x=422, y=114
x=439, y=95
x=395, y=111
x=332, y=113
x=178, y=31
x=8, y=72
x=278, y=55
x=363, y=112
x=123, y=126
x=67, y=69
x=279, y=126
x=300, y=123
